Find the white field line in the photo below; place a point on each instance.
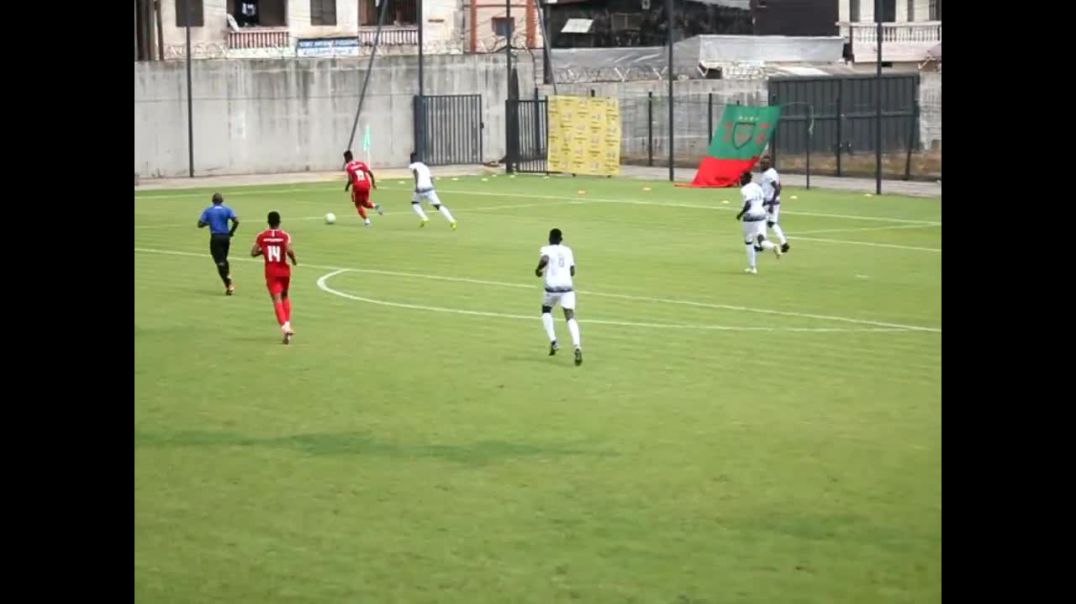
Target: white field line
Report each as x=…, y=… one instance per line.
x=730, y=208
x=877, y=325
x=882, y=228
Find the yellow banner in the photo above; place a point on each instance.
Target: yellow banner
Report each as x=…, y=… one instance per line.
x=584, y=135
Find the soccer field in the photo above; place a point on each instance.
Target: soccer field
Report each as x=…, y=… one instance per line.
x=729, y=437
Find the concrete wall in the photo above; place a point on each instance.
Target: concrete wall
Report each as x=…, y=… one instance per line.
x=264, y=116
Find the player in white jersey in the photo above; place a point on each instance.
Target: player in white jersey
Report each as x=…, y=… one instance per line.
x=754, y=222
x=771, y=196
x=557, y=266
x=424, y=190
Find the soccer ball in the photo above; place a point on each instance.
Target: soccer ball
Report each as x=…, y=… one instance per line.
x=330, y=218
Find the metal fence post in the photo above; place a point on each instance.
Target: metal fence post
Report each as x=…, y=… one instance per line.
x=650, y=128
x=709, y=118
x=840, y=122
x=773, y=139
x=510, y=133
x=810, y=118
x=913, y=124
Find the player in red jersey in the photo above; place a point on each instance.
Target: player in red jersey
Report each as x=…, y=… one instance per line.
x=359, y=180
x=274, y=244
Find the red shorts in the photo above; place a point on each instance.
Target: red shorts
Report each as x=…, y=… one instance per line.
x=277, y=284
x=361, y=197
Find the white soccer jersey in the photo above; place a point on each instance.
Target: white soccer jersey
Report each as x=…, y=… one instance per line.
x=769, y=179
x=752, y=195
x=558, y=273
x=424, y=182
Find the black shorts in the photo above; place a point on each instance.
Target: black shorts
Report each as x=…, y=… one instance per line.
x=218, y=247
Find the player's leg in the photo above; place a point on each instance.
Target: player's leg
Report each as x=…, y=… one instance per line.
x=766, y=244
x=286, y=300
x=567, y=302
x=373, y=205
x=286, y=303
x=366, y=203
x=759, y=237
x=277, y=287
x=358, y=198
x=218, y=248
x=278, y=307
x=749, y=245
x=431, y=196
x=548, y=301
x=417, y=208
x=773, y=223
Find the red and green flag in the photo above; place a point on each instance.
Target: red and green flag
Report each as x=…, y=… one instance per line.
x=740, y=138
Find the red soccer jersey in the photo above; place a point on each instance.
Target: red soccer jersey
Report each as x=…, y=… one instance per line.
x=357, y=172
x=274, y=246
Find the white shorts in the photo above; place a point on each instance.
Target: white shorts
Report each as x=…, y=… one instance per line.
x=752, y=229
x=772, y=213
x=430, y=195
x=565, y=299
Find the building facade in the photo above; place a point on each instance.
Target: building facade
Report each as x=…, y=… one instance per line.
x=283, y=28
x=911, y=32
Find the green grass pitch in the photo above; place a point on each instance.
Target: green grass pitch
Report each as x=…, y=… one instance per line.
x=729, y=437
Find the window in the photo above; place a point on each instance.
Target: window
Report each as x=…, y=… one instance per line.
x=260, y=13
x=889, y=11
x=911, y=11
x=400, y=12
x=935, y=10
x=503, y=27
x=197, y=20
x=323, y=12
x=853, y=11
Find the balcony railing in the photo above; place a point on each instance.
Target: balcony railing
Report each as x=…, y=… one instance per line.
x=900, y=41
x=394, y=35
x=262, y=37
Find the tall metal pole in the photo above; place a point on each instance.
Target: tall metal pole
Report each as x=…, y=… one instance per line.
x=508, y=43
x=878, y=102
x=669, y=27
x=190, y=101
x=509, y=120
x=369, y=69
x=421, y=85
x=547, y=67
x=421, y=55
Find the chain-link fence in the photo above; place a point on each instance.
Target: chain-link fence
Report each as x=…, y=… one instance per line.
x=830, y=130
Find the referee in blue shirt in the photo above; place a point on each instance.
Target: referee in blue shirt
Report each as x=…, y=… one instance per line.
x=216, y=217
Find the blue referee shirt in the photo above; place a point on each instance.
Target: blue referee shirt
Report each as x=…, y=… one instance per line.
x=216, y=216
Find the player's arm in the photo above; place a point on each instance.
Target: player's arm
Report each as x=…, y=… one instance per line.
x=256, y=250
x=348, y=185
x=572, y=270
x=746, y=205
x=235, y=224
x=370, y=175
x=203, y=221
x=776, y=189
x=542, y=262
x=291, y=255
